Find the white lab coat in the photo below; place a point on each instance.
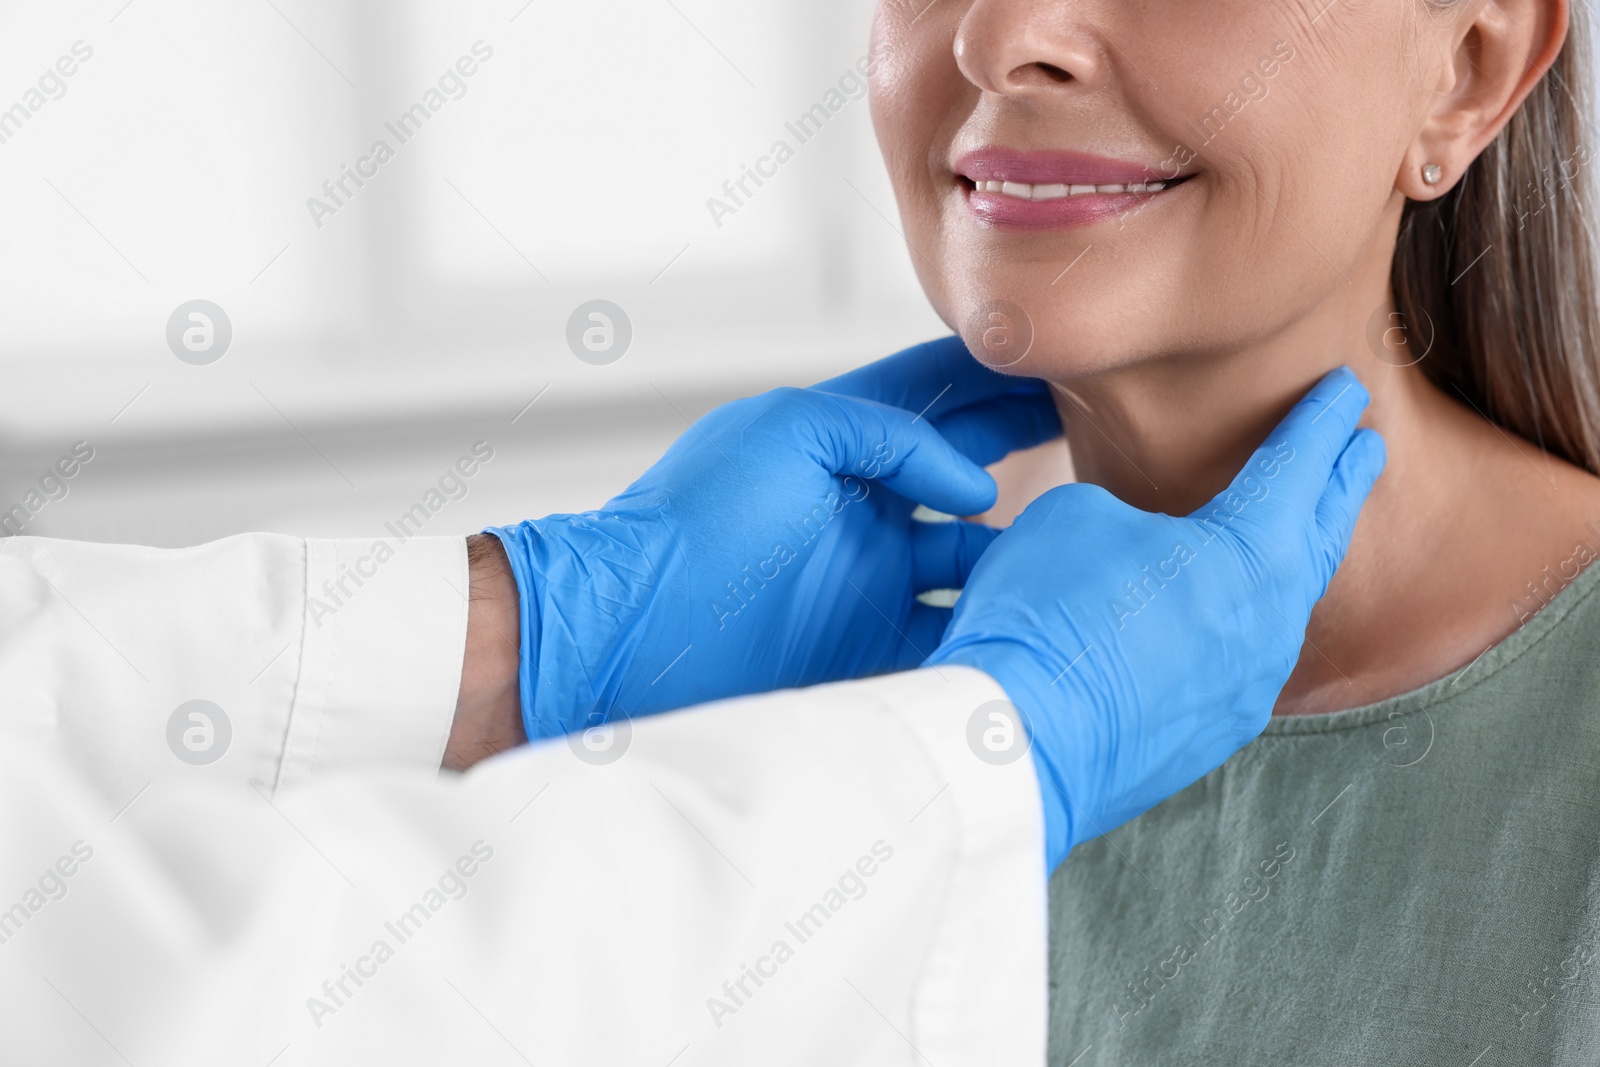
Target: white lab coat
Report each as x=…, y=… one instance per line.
x=823, y=876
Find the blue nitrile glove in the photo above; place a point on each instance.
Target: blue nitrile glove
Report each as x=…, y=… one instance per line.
x=773, y=545
x=1142, y=649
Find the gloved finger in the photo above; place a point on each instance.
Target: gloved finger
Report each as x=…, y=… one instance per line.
x=944, y=553
x=932, y=379
x=1286, y=477
x=1354, y=474
x=898, y=450
x=993, y=429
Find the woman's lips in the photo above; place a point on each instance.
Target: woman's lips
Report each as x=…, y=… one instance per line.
x=1053, y=189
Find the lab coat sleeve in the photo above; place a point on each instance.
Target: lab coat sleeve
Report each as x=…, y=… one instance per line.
x=310, y=656
x=822, y=876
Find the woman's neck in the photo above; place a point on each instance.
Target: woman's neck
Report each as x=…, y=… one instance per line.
x=1463, y=517
x=1170, y=433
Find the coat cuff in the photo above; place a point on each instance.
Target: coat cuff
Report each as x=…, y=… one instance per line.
x=384, y=639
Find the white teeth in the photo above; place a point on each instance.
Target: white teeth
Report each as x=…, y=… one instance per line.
x=1025, y=191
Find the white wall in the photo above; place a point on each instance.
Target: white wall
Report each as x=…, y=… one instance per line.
x=373, y=345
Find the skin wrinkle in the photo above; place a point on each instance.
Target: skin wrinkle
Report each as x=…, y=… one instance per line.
x=1192, y=324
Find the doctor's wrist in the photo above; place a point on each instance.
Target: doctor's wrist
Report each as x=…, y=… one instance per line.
x=488, y=715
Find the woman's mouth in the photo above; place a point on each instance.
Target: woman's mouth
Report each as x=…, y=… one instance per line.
x=1056, y=190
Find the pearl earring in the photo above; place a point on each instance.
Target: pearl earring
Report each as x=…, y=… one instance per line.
x=1431, y=173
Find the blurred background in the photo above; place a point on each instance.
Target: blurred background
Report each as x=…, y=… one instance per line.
x=537, y=156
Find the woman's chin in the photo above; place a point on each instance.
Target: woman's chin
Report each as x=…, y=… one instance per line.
x=1000, y=338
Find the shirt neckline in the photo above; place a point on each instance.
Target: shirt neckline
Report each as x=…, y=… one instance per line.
x=1494, y=659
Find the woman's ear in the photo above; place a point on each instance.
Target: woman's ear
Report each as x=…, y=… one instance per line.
x=1495, y=51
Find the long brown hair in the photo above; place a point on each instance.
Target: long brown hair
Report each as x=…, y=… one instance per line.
x=1501, y=270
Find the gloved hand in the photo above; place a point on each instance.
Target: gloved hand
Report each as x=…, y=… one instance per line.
x=773, y=545
x=1143, y=650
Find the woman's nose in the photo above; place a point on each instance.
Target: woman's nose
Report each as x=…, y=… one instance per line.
x=1029, y=47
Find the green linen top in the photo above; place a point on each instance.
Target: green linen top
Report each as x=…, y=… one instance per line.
x=1416, y=881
